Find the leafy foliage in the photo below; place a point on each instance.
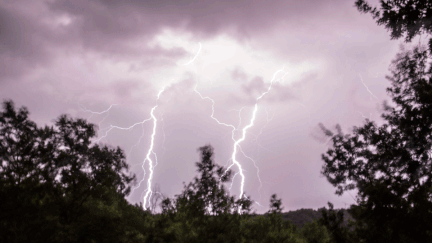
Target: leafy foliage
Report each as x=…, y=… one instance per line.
x=315, y=232
x=410, y=17
x=57, y=186
x=333, y=221
x=303, y=216
x=54, y=184
x=391, y=165
x=205, y=212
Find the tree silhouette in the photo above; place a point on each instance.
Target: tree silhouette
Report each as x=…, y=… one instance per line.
x=155, y=198
x=391, y=165
x=204, y=209
x=205, y=212
x=57, y=186
x=410, y=17
x=333, y=220
x=54, y=185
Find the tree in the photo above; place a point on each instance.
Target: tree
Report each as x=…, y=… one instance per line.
x=56, y=185
x=315, y=232
x=333, y=221
x=410, y=17
x=269, y=227
x=204, y=211
x=391, y=165
x=155, y=198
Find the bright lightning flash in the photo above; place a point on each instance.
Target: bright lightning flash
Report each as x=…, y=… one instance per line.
x=236, y=145
x=149, y=152
x=151, y=164
x=243, y=137
x=237, y=142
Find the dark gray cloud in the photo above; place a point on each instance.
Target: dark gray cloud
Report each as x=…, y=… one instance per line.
x=122, y=29
x=132, y=18
x=32, y=39
x=110, y=26
x=22, y=44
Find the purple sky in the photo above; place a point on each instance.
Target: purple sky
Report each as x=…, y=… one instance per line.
x=64, y=56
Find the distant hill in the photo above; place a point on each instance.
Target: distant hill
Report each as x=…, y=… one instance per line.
x=302, y=216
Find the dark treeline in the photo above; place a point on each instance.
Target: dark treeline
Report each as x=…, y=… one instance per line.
x=58, y=186
x=301, y=217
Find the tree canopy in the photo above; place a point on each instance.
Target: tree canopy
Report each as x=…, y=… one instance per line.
x=54, y=185
x=407, y=18
x=390, y=165
x=58, y=186
x=401, y=17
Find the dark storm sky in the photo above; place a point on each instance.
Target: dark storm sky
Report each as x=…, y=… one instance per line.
x=74, y=57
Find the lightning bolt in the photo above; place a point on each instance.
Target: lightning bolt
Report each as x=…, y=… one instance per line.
x=193, y=59
x=370, y=115
x=257, y=168
x=367, y=88
x=82, y=107
x=237, y=142
x=152, y=162
x=150, y=151
x=111, y=127
x=262, y=129
x=370, y=97
x=243, y=137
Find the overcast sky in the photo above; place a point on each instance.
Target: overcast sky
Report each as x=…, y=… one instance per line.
x=325, y=62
